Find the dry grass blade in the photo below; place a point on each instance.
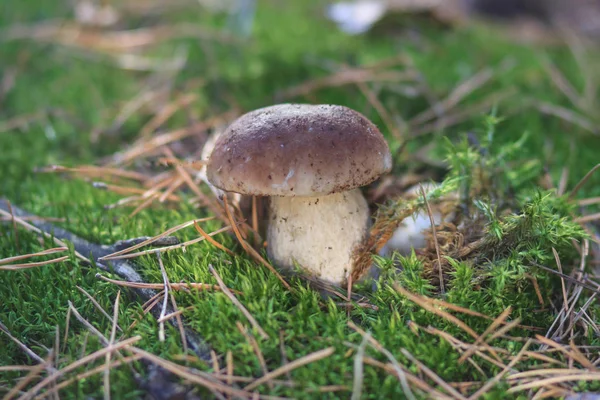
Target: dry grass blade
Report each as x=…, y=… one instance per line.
x=489, y=384
x=561, y=82
x=160, y=286
x=381, y=110
x=166, y=113
x=424, y=303
x=33, y=373
x=87, y=374
x=194, y=376
x=213, y=241
x=10, y=368
x=463, y=115
x=583, y=376
x=237, y=303
x=169, y=248
x=98, y=306
x=111, y=342
x=435, y=240
x=462, y=90
x=498, y=321
x=22, y=346
x=159, y=141
x=40, y=253
x=13, y=267
x=345, y=77
x=94, y=171
x=45, y=234
x=253, y=253
x=82, y=361
x=318, y=355
x=398, y=370
x=155, y=238
x=174, y=314
x=358, y=368
x=127, y=190
x=562, y=281
x=432, y=375
x=161, y=325
x=252, y=341
x=566, y=115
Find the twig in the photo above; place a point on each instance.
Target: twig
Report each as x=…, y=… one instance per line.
x=159, y=286
x=97, y=305
x=583, y=181
x=123, y=268
x=318, y=355
x=435, y=240
x=111, y=343
x=489, y=384
x=82, y=361
x=237, y=303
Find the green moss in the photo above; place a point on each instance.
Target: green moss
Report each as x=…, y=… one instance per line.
x=290, y=44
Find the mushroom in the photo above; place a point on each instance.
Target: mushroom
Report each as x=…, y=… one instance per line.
x=310, y=160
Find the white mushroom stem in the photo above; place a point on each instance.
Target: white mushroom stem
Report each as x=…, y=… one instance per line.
x=319, y=234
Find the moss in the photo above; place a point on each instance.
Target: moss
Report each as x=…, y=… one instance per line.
x=521, y=222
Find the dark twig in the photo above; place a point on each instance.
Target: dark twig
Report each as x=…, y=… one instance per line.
x=124, y=268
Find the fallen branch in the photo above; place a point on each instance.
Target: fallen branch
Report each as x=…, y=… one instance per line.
x=122, y=267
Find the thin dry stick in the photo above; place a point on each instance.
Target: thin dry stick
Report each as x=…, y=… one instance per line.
x=172, y=136
x=45, y=234
x=33, y=373
x=14, y=267
x=161, y=331
x=255, y=347
x=562, y=281
x=432, y=375
x=91, y=170
x=498, y=321
x=111, y=341
x=284, y=359
x=397, y=368
x=175, y=313
x=318, y=355
x=358, y=368
x=229, y=362
x=155, y=238
x=97, y=305
x=592, y=376
x=429, y=307
x=166, y=113
x=435, y=241
x=249, y=248
x=583, y=181
x=381, y=110
x=25, y=349
x=169, y=248
x=489, y=384
x=213, y=241
x=205, y=380
x=237, y=303
x=87, y=374
x=40, y=253
x=174, y=305
x=159, y=286
x=82, y=361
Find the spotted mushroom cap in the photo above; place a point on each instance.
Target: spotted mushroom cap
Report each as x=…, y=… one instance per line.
x=298, y=150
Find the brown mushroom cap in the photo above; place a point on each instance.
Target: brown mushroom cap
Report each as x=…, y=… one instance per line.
x=298, y=150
